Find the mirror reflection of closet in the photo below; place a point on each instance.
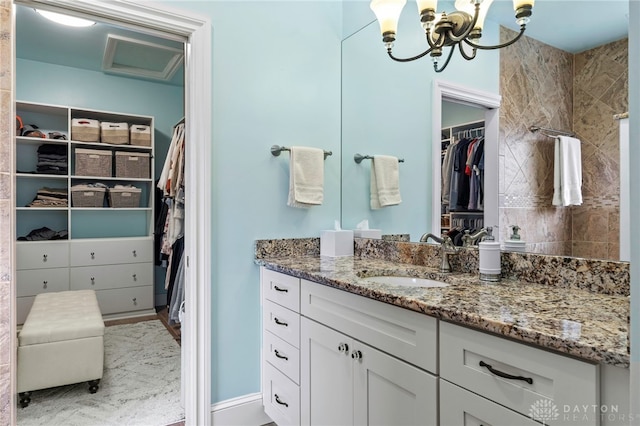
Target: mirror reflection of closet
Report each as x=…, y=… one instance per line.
x=462, y=146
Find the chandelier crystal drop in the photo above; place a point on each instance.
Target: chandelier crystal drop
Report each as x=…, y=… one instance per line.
x=462, y=27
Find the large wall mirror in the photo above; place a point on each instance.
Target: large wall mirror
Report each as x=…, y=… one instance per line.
x=560, y=79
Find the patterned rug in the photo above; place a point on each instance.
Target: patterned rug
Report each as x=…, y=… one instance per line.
x=140, y=385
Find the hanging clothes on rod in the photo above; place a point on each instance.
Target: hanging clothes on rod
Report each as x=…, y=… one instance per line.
x=171, y=246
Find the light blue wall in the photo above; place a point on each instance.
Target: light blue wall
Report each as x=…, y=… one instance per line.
x=59, y=85
x=276, y=80
x=387, y=110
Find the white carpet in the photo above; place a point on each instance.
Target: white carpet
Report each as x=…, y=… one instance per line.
x=140, y=385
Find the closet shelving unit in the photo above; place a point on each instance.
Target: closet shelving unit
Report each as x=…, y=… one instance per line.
x=109, y=249
x=451, y=219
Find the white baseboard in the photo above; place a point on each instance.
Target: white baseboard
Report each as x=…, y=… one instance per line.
x=246, y=410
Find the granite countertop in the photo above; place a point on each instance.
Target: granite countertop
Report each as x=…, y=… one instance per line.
x=576, y=322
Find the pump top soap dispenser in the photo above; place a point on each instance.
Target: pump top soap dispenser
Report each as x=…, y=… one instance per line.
x=515, y=236
x=514, y=243
x=489, y=249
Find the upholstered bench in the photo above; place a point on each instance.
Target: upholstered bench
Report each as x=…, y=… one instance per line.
x=61, y=343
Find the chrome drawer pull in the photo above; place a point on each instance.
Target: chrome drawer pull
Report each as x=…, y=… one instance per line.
x=280, y=402
x=45, y=284
x=93, y=280
x=505, y=375
x=134, y=253
x=284, y=290
x=135, y=301
x=277, y=354
x=356, y=355
x=44, y=257
x=277, y=321
x=343, y=347
x=93, y=255
x=135, y=278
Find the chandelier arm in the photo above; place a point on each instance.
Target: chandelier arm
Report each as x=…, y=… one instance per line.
x=464, y=36
x=464, y=54
x=435, y=65
x=438, y=43
x=498, y=46
x=413, y=58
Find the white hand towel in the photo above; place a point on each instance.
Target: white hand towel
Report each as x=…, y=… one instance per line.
x=306, y=177
x=385, y=182
x=567, y=172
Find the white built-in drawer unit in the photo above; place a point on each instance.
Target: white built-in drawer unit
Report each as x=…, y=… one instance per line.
x=406, y=334
x=36, y=281
x=125, y=299
x=281, y=289
x=111, y=251
x=42, y=254
x=518, y=376
x=280, y=346
x=108, y=276
x=459, y=407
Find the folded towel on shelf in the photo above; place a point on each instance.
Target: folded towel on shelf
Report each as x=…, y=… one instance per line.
x=385, y=181
x=306, y=177
x=567, y=172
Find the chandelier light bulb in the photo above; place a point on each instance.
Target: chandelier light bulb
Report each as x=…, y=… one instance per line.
x=388, y=13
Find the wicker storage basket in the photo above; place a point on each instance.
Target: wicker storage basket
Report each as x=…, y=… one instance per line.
x=120, y=197
x=114, y=133
x=85, y=130
x=93, y=162
x=140, y=135
x=132, y=164
x=82, y=196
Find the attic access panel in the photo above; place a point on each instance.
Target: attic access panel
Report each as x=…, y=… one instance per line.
x=139, y=58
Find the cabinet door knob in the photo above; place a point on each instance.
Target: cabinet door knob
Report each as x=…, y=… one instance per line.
x=279, y=355
x=280, y=402
x=93, y=280
x=44, y=284
x=277, y=321
x=135, y=301
x=356, y=355
x=44, y=257
x=134, y=253
x=343, y=347
x=93, y=255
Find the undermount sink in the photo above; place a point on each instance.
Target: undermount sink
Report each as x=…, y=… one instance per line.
x=406, y=281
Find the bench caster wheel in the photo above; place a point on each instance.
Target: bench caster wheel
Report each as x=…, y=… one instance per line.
x=93, y=386
x=25, y=399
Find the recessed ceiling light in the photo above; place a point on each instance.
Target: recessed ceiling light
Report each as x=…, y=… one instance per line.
x=70, y=21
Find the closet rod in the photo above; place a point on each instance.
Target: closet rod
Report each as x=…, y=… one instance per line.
x=277, y=149
x=543, y=131
x=359, y=157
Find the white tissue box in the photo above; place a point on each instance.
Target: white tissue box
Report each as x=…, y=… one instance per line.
x=375, y=234
x=336, y=243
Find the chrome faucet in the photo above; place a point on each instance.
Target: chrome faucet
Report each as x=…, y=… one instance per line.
x=425, y=238
x=469, y=240
x=446, y=246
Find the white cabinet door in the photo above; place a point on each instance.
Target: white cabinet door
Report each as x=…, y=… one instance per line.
x=388, y=391
x=326, y=382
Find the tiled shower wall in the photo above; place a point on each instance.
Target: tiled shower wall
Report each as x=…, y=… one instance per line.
x=7, y=401
x=544, y=86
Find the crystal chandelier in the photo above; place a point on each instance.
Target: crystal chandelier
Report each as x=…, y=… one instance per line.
x=461, y=27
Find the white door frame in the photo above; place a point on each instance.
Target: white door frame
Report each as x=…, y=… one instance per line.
x=444, y=90
x=196, y=30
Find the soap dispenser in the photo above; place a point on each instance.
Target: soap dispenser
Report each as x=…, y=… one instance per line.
x=515, y=243
x=489, y=252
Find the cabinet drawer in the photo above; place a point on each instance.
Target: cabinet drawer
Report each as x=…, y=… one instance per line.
x=459, y=407
x=408, y=335
x=282, y=322
x=111, y=276
x=125, y=299
x=282, y=355
x=280, y=397
x=557, y=379
x=42, y=254
x=111, y=251
x=281, y=289
x=36, y=281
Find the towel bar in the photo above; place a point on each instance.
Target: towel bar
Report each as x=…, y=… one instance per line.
x=359, y=157
x=277, y=149
x=543, y=131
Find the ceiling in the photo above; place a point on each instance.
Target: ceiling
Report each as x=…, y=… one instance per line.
x=570, y=25
x=41, y=40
